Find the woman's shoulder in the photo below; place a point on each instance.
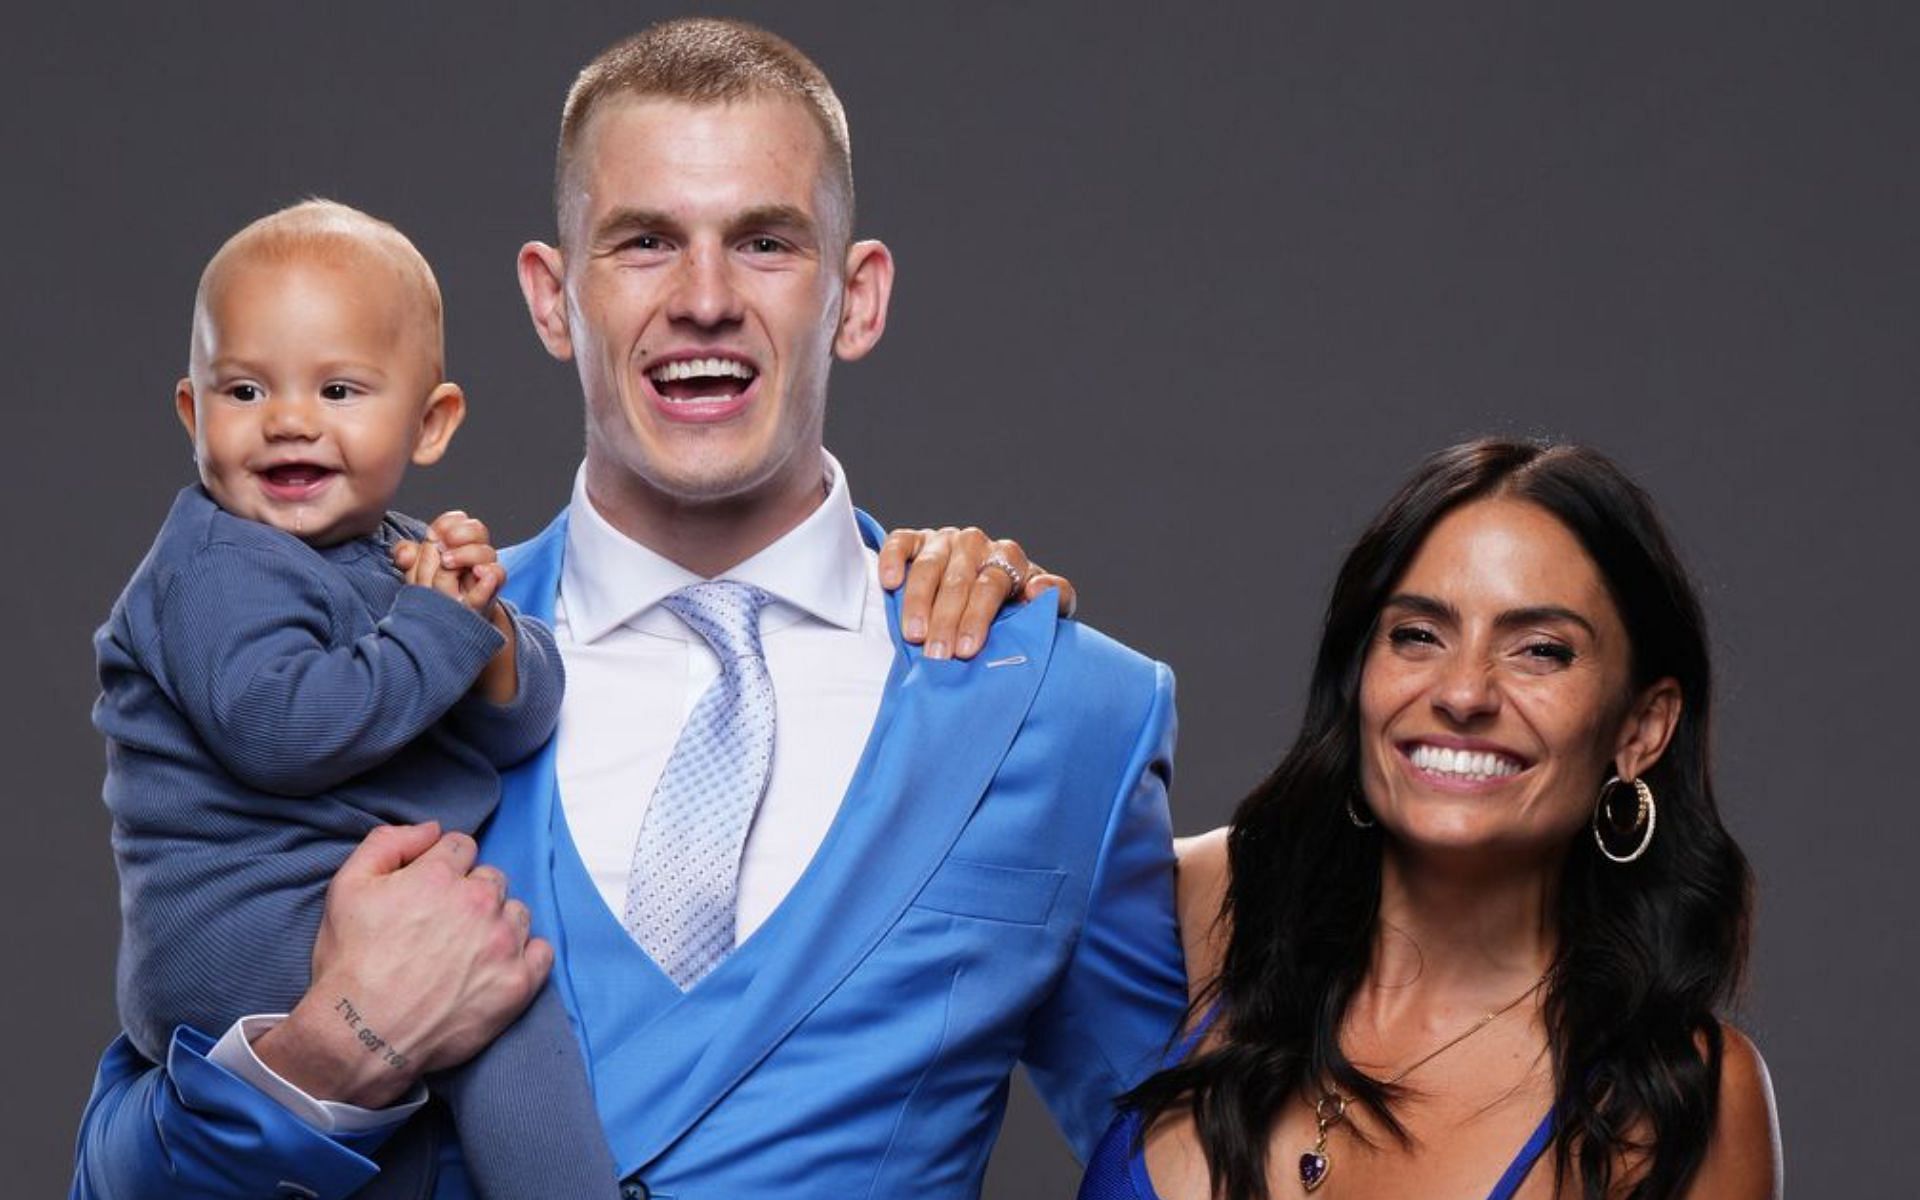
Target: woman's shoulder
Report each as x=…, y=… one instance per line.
x=1201, y=894
x=1743, y=1073
x=1742, y=1160
x=1743, y=1155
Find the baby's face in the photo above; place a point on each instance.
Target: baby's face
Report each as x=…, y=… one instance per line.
x=313, y=385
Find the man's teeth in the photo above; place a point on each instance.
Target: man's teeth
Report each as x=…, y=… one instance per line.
x=1467, y=764
x=700, y=368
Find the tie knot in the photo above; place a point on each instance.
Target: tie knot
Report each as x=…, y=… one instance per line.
x=725, y=613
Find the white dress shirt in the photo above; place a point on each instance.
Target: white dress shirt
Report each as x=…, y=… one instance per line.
x=634, y=673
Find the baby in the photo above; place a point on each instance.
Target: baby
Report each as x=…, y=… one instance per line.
x=292, y=665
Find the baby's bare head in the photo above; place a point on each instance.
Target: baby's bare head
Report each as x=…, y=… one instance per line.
x=385, y=269
x=315, y=376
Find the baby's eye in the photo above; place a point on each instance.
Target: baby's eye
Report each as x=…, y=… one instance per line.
x=336, y=391
x=245, y=393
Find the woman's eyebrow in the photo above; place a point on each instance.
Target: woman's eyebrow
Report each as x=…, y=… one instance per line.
x=1541, y=614
x=1423, y=606
x=1533, y=614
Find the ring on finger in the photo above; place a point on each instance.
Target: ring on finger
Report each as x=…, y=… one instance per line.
x=1016, y=578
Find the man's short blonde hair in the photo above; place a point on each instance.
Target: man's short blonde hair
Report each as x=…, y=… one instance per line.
x=703, y=60
x=339, y=235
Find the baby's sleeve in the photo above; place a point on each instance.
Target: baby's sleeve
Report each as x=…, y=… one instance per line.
x=247, y=639
x=510, y=733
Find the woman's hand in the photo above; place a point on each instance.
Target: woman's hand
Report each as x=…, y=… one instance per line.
x=956, y=581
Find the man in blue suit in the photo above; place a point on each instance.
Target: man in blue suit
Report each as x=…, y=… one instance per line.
x=933, y=869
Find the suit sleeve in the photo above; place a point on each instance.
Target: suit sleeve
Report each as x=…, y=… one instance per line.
x=1108, y=1022
x=509, y=734
x=247, y=641
x=190, y=1129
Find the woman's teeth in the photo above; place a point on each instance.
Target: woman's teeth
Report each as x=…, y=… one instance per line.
x=1466, y=764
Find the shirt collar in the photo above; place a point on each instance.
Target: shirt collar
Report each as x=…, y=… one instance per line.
x=820, y=566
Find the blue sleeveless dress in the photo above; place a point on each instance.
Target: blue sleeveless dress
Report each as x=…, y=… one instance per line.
x=1116, y=1171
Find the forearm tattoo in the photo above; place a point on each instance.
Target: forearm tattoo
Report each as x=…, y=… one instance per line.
x=374, y=1043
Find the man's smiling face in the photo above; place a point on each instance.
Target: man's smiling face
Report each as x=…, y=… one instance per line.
x=704, y=269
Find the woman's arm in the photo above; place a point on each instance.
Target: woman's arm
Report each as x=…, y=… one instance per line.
x=1743, y=1155
x=1201, y=891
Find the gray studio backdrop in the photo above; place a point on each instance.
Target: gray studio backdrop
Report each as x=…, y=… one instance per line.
x=1183, y=292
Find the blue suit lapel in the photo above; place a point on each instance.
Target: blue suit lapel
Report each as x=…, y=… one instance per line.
x=941, y=733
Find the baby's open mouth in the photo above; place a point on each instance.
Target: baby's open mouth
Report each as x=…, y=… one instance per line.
x=295, y=475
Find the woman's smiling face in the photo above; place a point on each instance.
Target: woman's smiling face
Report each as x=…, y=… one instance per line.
x=1497, y=692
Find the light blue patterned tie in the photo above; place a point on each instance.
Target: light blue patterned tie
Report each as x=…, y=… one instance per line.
x=682, y=889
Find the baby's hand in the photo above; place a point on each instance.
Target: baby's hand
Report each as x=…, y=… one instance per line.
x=457, y=560
x=420, y=565
x=463, y=554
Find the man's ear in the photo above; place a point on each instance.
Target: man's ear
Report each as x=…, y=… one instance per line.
x=543, y=281
x=446, y=408
x=183, y=408
x=863, y=302
x=1648, y=728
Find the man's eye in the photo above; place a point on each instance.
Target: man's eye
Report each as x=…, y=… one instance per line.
x=766, y=245
x=246, y=393
x=643, y=241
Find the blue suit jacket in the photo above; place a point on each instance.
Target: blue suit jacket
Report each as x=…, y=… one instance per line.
x=997, y=888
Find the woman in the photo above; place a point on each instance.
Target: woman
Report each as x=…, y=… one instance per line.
x=1474, y=930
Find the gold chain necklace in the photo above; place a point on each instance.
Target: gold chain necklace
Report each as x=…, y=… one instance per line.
x=1331, y=1108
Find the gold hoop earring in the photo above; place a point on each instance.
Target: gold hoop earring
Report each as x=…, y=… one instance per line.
x=1644, y=816
x=1353, y=814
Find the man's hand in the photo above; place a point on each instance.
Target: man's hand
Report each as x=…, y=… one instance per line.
x=420, y=962
x=958, y=581
x=458, y=560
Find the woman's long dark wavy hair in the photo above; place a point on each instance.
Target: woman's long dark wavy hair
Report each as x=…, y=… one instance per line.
x=1648, y=951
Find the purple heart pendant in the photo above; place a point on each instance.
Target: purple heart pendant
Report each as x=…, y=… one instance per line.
x=1313, y=1169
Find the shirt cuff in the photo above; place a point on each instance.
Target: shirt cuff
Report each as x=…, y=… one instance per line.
x=234, y=1052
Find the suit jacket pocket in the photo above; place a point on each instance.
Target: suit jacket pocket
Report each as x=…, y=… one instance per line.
x=991, y=892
